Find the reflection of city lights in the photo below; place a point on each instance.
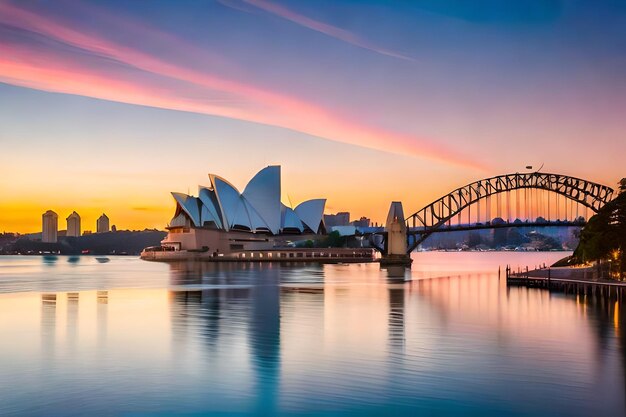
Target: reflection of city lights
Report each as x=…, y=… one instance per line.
x=614, y=257
x=616, y=315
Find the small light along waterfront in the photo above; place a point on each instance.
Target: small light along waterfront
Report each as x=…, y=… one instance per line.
x=447, y=338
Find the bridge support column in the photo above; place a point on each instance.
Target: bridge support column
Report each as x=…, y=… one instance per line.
x=396, y=244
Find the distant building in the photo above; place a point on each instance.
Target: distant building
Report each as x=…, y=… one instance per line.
x=87, y=232
x=73, y=225
x=362, y=222
x=339, y=219
x=50, y=227
x=114, y=228
x=102, y=224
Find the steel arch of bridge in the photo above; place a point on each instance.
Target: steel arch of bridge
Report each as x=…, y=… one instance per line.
x=437, y=213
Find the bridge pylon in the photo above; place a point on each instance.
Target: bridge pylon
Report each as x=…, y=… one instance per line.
x=396, y=243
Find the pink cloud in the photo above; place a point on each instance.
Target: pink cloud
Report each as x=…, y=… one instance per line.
x=318, y=26
x=43, y=67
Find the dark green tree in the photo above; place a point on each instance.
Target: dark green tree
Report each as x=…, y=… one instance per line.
x=335, y=240
x=604, y=236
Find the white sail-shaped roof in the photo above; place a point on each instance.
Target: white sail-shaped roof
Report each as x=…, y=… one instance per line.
x=210, y=207
x=311, y=213
x=263, y=193
x=256, y=221
x=240, y=216
x=190, y=206
x=207, y=218
x=228, y=199
x=289, y=219
x=179, y=221
x=258, y=209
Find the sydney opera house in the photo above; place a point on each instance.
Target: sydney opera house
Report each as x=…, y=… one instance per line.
x=222, y=220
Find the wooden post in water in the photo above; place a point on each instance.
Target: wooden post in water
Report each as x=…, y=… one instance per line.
x=549, y=281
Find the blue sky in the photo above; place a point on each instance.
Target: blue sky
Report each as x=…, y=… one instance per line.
x=115, y=104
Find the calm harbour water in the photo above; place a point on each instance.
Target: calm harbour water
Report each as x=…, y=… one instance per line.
x=134, y=338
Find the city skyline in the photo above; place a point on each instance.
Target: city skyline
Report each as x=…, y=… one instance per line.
x=50, y=230
x=114, y=105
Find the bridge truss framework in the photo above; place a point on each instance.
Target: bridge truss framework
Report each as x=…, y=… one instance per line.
x=442, y=210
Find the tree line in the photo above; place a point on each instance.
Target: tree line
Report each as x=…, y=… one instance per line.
x=603, y=238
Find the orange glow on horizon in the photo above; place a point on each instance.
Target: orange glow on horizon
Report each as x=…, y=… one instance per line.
x=107, y=110
x=26, y=218
x=25, y=215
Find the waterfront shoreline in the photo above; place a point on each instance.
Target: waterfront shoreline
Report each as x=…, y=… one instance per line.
x=317, y=255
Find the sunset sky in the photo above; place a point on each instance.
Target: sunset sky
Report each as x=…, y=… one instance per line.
x=107, y=106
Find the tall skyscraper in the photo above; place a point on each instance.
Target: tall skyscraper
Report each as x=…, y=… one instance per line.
x=50, y=227
x=102, y=225
x=73, y=224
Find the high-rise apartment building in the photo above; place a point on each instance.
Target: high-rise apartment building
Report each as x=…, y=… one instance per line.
x=102, y=224
x=50, y=227
x=73, y=225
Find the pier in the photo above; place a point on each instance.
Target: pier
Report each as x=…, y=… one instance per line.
x=581, y=281
x=319, y=255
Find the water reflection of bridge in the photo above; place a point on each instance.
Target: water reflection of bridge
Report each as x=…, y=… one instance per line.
x=286, y=333
x=289, y=324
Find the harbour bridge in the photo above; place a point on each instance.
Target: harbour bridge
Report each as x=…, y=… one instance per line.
x=511, y=200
